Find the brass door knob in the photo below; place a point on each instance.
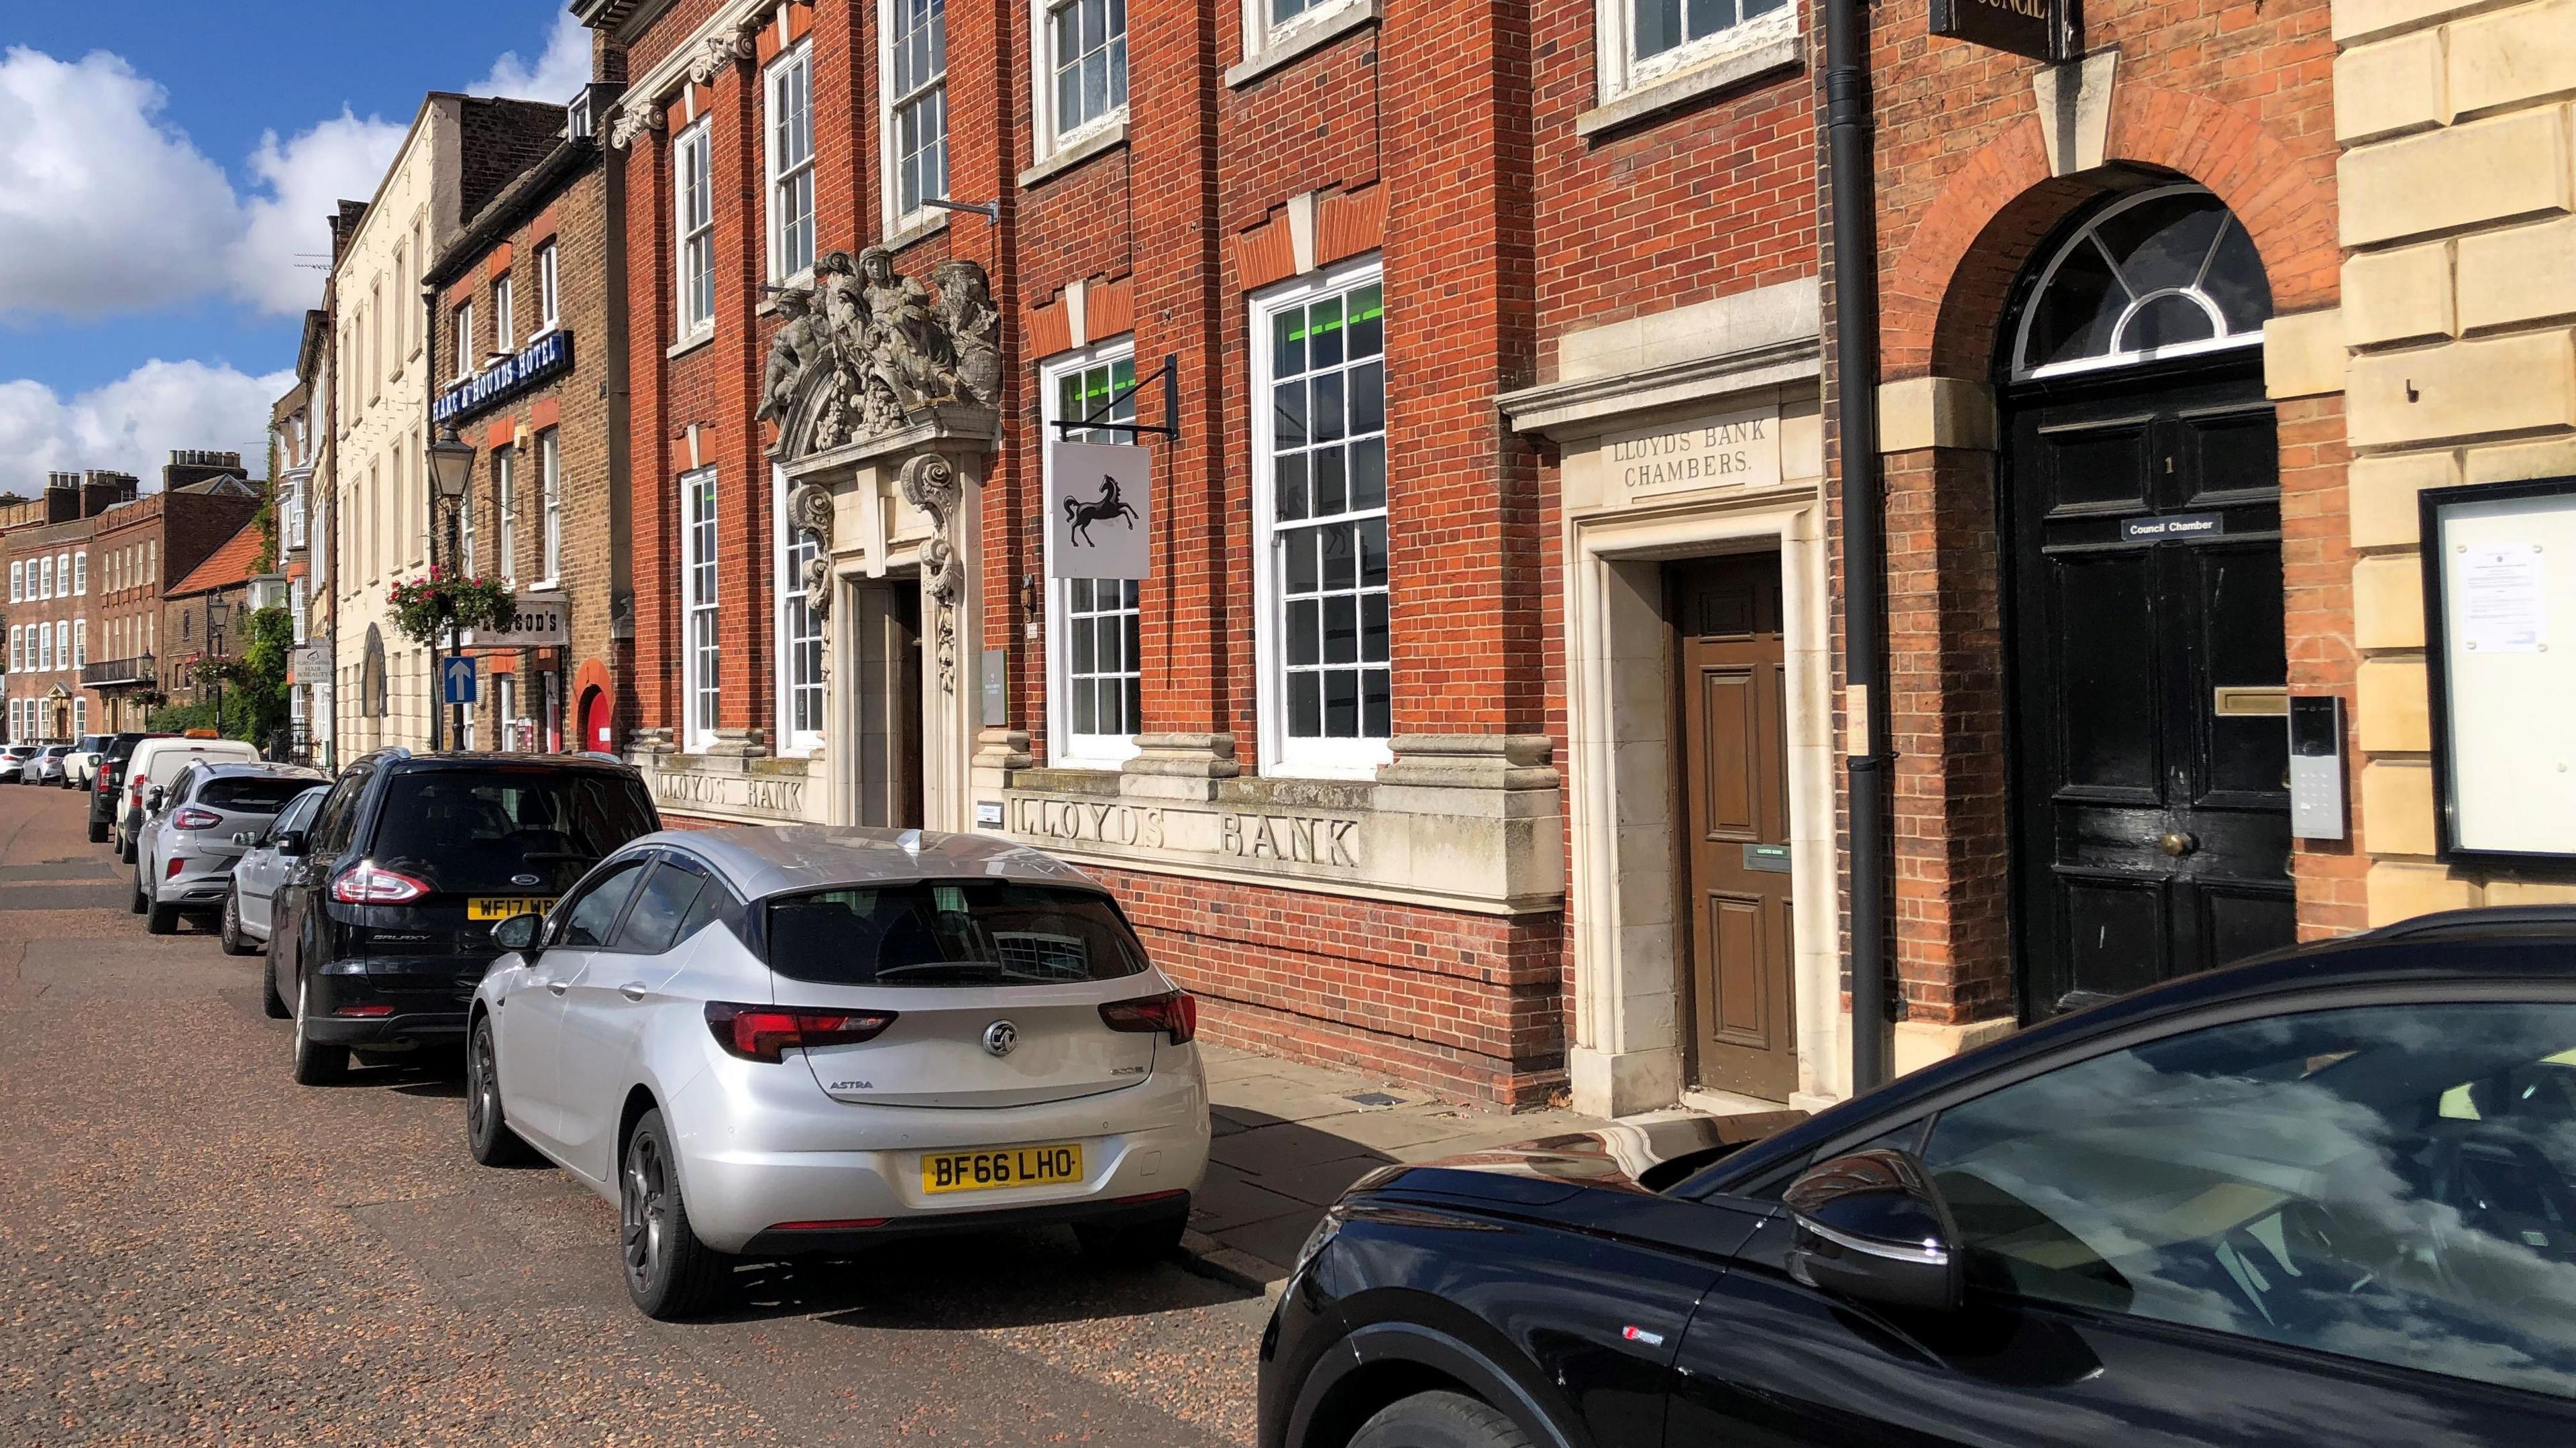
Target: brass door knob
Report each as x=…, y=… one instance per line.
x=2176, y=843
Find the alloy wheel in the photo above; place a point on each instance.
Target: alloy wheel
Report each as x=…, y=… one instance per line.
x=644, y=1208
x=482, y=1089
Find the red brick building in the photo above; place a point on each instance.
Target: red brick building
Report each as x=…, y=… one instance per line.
x=1481, y=324
x=528, y=341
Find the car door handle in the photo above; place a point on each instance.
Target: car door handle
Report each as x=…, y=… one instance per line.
x=558, y=987
x=633, y=990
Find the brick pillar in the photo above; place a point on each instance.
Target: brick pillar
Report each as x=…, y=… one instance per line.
x=1463, y=514
x=983, y=165
x=739, y=163
x=1202, y=543
x=654, y=526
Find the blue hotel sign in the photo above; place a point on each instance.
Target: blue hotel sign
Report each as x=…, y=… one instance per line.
x=505, y=379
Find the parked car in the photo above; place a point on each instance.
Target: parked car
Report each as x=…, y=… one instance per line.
x=262, y=866
x=13, y=759
x=185, y=860
x=2322, y=1197
x=107, y=781
x=83, y=759
x=46, y=767
x=383, y=923
x=158, y=760
x=838, y=1037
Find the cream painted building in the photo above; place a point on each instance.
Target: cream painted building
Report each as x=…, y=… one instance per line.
x=459, y=153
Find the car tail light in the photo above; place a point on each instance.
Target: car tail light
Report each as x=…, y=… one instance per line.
x=193, y=818
x=1175, y=1013
x=768, y=1033
x=367, y=885
x=370, y=1009
x=176, y=865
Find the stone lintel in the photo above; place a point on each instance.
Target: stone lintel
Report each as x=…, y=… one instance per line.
x=948, y=427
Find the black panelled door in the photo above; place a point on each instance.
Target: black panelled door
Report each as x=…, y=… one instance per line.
x=2152, y=829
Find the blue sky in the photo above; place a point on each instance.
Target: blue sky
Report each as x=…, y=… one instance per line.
x=165, y=166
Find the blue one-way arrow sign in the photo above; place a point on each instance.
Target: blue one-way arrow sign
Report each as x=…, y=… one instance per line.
x=456, y=678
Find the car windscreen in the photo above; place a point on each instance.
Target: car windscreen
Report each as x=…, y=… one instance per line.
x=506, y=831
x=249, y=794
x=950, y=932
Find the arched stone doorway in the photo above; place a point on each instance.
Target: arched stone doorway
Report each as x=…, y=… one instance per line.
x=2139, y=527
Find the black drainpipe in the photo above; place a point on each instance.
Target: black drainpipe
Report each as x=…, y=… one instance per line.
x=1848, y=162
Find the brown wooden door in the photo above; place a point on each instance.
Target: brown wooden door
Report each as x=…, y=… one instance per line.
x=1735, y=823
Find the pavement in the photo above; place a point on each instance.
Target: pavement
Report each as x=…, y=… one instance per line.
x=1290, y=1138
x=195, y=1250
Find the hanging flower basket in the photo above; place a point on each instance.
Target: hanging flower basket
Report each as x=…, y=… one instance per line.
x=425, y=609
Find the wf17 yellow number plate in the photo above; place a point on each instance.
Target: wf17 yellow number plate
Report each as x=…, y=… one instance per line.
x=1016, y=1166
x=502, y=907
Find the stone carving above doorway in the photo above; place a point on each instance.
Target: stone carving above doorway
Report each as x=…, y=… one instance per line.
x=865, y=349
x=809, y=512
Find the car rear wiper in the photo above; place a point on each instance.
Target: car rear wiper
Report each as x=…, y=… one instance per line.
x=988, y=969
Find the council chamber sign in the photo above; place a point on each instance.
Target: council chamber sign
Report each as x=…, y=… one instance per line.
x=1100, y=510
x=2040, y=29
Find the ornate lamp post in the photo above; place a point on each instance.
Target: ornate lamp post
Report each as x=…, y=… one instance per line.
x=217, y=614
x=451, y=466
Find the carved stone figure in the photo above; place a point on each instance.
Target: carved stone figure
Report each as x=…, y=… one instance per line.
x=974, y=328
x=809, y=512
x=929, y=482
x=865, y=348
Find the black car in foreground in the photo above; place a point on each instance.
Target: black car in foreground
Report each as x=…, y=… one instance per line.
x=2319, y=1198
x=382, y=924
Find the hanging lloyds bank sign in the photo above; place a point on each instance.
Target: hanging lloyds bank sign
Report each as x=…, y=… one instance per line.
x=539, y=360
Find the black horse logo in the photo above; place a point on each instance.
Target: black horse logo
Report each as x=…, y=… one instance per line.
x=1082, y=515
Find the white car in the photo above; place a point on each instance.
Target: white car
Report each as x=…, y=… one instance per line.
x=777, y=1041
x=82, y=761
x=13, y=761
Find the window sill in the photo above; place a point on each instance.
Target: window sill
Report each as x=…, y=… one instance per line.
x=690, y=343
x=1082, y=148
x=919, y=227
x=1304, y=38
x=1701, y=82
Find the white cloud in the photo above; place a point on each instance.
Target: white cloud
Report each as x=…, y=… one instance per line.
x=562, y=70
x=131, y=424
x=103, y=207
x=284, y=230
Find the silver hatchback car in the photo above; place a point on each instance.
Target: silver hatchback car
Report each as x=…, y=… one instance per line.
x=184, y=858
x=769, y=1042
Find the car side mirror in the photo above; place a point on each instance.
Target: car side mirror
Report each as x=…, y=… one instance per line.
x=289, y=842
x=519, y=933
x=152, y=801
x=1873, y=1228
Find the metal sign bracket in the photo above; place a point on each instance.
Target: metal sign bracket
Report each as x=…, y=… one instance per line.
x=1170, y=372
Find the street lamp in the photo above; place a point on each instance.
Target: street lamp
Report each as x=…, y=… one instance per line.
x=451, y=467
x=217, y=613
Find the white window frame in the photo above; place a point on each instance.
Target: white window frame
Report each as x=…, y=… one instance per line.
x=300, y=609
x=465, y=530
x=45, y=589
x=889, y=118
x=701, y=601
x=693, y=227
x=18, y=580
x=788, y=76
x=44, y=648
x=505, y=708
x=80, y=574
x=63, y=575
x=1065, y=748
x=464, y=341
x=790, y=628
x=505, y=307
x=80, y=716
x=1263, y=35
x=17, y=659
x=80, y=643
x=1050, y=136
x=1624, y=73
x=550, y=507
x=549, y=288
x=505, y=513
x=1311, y=758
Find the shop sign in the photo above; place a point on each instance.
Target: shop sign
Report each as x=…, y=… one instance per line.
x=540, y=621
x=310, y=664
x=1731, y=450
x=2040, y=29
x=1100, y=510
x=536, y=362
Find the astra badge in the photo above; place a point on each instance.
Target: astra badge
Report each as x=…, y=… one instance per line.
x=1001, y=1038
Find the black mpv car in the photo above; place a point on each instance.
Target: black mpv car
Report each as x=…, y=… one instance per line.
x=2319, y=1198
x=383, y=923
x=107, y=783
